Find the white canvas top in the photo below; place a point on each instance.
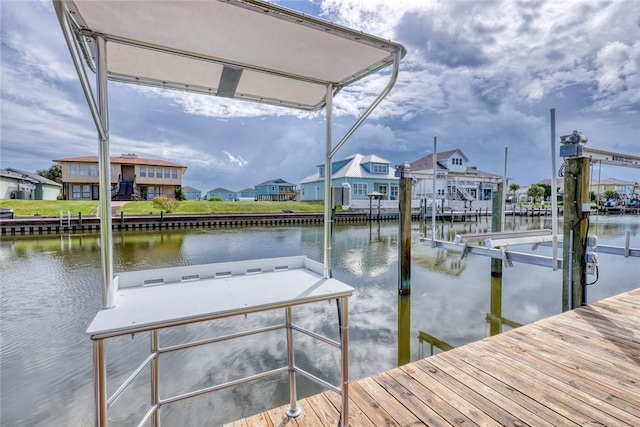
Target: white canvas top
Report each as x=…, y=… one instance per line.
x=243, y=49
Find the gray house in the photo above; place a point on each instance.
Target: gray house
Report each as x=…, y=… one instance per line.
x=19, y=184
x=365, y=175
x=222, y=193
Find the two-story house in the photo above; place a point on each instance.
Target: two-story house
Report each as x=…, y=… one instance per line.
x=365, y=175
x=456, y=181
x=275, y=190
x=132, y=178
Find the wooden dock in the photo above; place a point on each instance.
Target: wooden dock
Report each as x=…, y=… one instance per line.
x=581, y=367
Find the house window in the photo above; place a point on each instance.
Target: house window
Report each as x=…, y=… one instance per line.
x=86, y=191
x=394, y=192
x=158, y=172
x=73, y=170
x=321, y=170
x=359, y=189
x=174, y=173
x=143, y=171
x=82, y=170
x=154, y=192
x=167, y=173
x=76, y=191
x=379, y=168
x=93, y=170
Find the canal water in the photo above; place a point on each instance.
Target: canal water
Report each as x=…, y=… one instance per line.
x=50, y=291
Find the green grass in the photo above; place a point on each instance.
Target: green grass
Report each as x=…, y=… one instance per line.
x=49, y=207
x=53, y=207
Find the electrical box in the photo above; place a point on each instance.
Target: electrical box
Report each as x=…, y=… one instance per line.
x=571, y=150
x=591, y=259
x=341, y=196
x=592, y=242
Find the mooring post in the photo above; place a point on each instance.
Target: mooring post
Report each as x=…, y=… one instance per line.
x=496, y=225
x=495, y=306
x=576, y=218
x=404, y=329
x=404, y=242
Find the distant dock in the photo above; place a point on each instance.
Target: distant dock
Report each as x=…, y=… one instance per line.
x=581, y=367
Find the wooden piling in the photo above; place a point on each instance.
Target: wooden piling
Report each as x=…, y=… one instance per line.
x=496, y=225
x=576, y=221
x=404, y=244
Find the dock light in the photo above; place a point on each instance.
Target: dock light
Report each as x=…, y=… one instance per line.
x=572, y=144
x=402, y=170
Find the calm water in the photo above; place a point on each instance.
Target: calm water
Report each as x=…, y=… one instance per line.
x=51, y=291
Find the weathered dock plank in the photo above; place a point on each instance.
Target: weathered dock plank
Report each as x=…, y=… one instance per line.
x=577, y=368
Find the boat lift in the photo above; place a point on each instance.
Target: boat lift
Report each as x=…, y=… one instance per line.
x=241, y=49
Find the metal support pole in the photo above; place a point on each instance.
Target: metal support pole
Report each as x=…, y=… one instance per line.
x=293, y=410
x=433, y=194
x=503, y=193
x=100, y=383
x=104, y=162
x=327, y=182
x=554, y=191
x=344, y=347
x=155, y=376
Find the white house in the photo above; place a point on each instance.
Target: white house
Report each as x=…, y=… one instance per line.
x=459, y=184
x=365, y=175
x=18, y=184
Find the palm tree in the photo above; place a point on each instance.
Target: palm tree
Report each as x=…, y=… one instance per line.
x=513, y=188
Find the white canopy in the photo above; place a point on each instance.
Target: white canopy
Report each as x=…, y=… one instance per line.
x=243, y=49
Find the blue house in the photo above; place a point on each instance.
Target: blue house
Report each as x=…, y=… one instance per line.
x=191, y=193
x=275, y=190
x=247, y=194
x=222, y=193
x=365, y=175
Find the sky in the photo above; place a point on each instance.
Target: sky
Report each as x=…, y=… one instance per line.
x=481, y=75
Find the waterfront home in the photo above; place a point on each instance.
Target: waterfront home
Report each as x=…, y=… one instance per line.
x=275, y=190
x=191, y=193
x=222, y=193
x=365, y=175
x=247, y=194
x=132, y=178
x=456, y=181
x=19, y=184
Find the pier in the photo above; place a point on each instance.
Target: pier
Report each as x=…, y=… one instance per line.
x=581, y=367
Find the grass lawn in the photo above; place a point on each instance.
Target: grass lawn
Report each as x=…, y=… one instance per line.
x=49, y=207
x=23, y=208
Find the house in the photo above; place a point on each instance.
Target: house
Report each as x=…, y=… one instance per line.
x=222, y=193
x=191, y=193
x=365, y=175
x=19, y=184
x=275, y=190
x=132, y=178
x=456, y=181
x=247, y=194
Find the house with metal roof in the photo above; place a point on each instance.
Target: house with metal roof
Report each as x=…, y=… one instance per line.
x=248, y=193
x=275, y=190
x=191, y=193
x=132, y=178
x=19, y=184
x=456, y=180
x=222, y=193
x=365, y=175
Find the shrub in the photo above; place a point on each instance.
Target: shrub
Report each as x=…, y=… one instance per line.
x=165, y=203
x=215, y=199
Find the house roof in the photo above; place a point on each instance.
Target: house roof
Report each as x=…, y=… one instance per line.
x=242, y=49
x=220, y=190
x=123, y=160
x=354, y=169
x=277, y=181
x=188, y=189
x=27, y=176
x=426, y=163
x=248, y=190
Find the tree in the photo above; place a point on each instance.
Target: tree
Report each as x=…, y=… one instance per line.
x=536, y=191
x=54, y=173
x=513, y=188
x=611, y=194
x=547, y=190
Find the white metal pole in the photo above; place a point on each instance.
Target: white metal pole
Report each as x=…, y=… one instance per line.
x=433, y=202
x=104, y=162
x=327, y=183
x=554, y=192
x=504, y=190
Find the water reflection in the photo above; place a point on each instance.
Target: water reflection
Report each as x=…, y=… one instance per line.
x=50, y=291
